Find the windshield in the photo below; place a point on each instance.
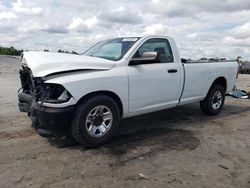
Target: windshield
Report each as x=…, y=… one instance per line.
x=112, y=49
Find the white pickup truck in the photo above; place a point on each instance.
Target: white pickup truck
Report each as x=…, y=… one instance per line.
x=86, y=95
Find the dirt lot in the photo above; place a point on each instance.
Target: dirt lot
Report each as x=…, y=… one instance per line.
x=173, y=148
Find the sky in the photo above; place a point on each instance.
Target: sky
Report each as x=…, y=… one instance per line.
x=201, y=28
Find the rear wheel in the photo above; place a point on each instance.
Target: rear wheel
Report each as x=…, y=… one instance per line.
x=214, y=101
x=96, y=121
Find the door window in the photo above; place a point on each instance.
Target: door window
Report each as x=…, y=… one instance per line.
x=161, y=46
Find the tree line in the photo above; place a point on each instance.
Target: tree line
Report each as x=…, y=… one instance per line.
x=64, y=51
x=10, y=51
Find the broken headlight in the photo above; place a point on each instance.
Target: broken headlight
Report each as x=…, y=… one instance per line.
x=52, y=93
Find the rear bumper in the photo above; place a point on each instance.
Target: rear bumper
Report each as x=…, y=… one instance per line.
x=48, y=121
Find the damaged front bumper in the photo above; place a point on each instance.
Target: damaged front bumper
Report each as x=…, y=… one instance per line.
x=47, y=121
x=49, y=106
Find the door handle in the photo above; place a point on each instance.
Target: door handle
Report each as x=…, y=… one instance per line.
x=172, y=70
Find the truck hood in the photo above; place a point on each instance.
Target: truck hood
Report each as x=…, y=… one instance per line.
x=46, y=63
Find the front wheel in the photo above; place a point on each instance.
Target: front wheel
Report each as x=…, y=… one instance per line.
x=96, y=121
x=214, y=101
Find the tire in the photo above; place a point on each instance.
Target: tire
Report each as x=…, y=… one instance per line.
x=87, y=126
x=212, y=105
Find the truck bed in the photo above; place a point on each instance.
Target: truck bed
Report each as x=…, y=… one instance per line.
x=199, y=75
x=209, y=61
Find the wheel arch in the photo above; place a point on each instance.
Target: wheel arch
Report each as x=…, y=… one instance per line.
x=221, y=81
x=111, y=94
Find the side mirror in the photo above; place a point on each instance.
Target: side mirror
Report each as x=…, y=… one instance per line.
x=146, y=58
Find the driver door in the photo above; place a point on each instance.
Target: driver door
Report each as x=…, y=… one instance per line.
x=155, y=85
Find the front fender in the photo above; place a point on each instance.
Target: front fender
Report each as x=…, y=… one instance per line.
x=81, y=84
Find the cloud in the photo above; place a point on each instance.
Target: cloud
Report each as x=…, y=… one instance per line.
x=242, y=31
x=190, y=8
x=236, y=42
x=79, y=25
x=200, y=28
x=30, y=27
x=121, y=16
x=55, y=28
x=156, y=29
x=76, y=23
x=20, y=7
x=7, y=16
x=91, y=22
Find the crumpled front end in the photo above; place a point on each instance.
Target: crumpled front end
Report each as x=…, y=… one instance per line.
x=45, y=104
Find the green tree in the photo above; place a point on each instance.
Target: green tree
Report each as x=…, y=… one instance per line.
x=10, y=51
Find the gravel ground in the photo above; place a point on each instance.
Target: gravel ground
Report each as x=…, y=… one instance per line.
x=179, y=147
